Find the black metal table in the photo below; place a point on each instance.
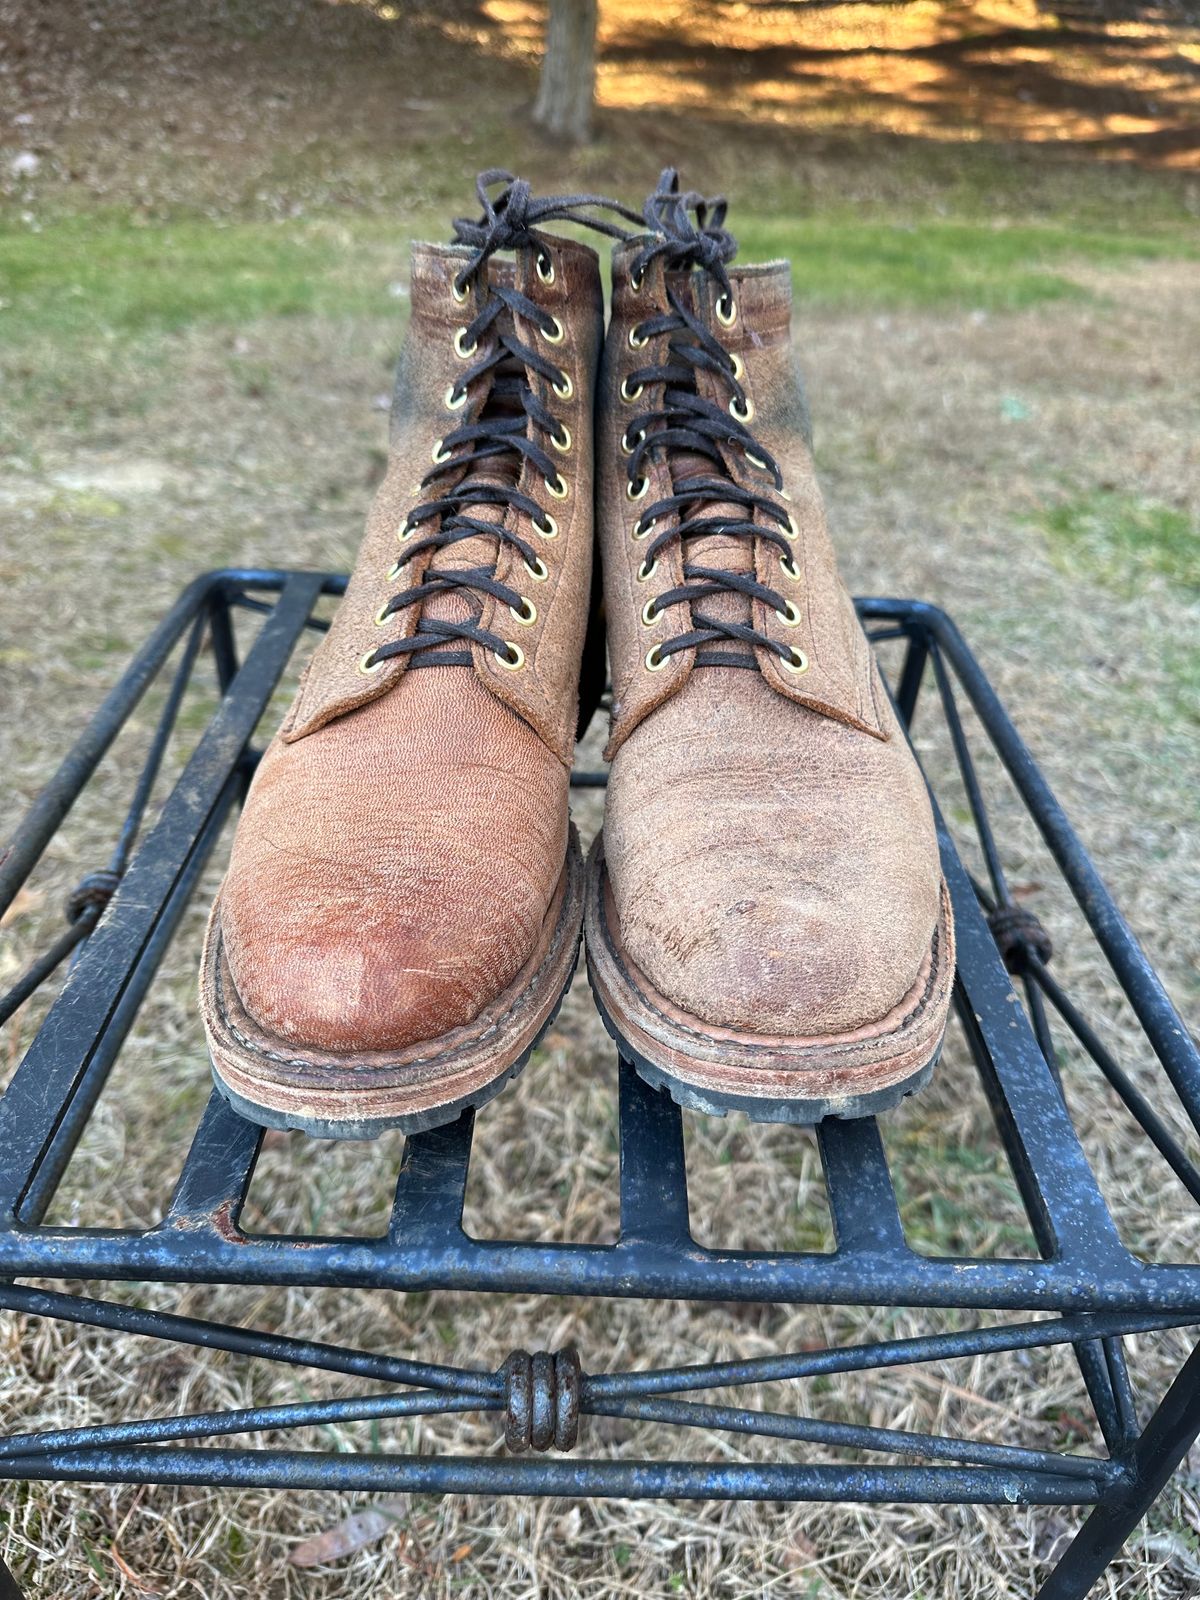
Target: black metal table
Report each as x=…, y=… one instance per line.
x=1085, y=1287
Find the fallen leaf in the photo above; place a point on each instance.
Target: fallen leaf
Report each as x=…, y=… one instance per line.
x=24, y=901
x=801, y=1552
x=355, y=1533
x=1072, y=1424
x=461, y=1554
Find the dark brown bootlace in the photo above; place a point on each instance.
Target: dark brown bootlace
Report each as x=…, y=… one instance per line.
x=512, y=426
x=689, y=233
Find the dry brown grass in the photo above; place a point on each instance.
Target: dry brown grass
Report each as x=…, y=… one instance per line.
x=942, y=438
x=931, y=491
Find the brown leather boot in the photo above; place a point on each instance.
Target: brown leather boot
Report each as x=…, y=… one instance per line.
x=767, y=925
x=402, y=910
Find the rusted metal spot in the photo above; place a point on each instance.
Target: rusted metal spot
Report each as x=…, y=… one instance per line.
x=223, y=1222
x=1019, y=933
x=541, y=1400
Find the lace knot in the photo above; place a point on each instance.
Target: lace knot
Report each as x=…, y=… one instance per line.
x=681, y=242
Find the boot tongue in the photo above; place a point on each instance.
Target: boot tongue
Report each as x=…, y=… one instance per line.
x=500, y=470
x=719, y=553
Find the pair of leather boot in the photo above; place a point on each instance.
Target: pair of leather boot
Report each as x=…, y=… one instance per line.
x=767, y=926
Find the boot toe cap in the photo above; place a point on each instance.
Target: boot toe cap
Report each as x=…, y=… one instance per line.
x=770, y=957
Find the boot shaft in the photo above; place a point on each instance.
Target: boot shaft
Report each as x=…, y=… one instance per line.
x=806, y=640
x=546, y=559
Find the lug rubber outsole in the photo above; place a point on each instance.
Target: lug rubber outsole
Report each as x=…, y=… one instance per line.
x=759, y=1108
x=411, y=1122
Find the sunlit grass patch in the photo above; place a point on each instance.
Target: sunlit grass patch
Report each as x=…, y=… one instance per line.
x=1123, y=540
x=855, y=263
x=100, y=277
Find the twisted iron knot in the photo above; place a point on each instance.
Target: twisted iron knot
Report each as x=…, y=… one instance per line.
x=541, y=1400
x=1019, y=933
x=96, y=889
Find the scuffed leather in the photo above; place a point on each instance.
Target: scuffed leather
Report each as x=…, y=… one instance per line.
x=404, y=838
x=392, y=871
x=773, y=869
x=544, y=692
x=841, y=680
x=769, y=839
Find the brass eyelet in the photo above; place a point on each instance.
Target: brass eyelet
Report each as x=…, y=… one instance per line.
x=797, y=661
x=560, y=488
x=645, y=573
x=527, y=615
x=650, y=614
x=757, y=461
x=545, y=267
x=382, y=615
x=655, y=660
x=462, y=350
x=547, y=528
x=790, y=618
x=454, y=403
x=739, y=411
x=636, y=280
x=739, y=366
x=642, y=529
x=627, y=448
x=639, y=493
x=790, y=568
x=537, y=569
x=636, y=340
x=461, y=296
x=562, y=443
x=565, y=389
x=440, y=456
x=406, y=533
x=394, y=572
x=368, y=667
x=515, y=660
x=627, y=394
x=793, y=528
x=558, y=335
x=726, y=309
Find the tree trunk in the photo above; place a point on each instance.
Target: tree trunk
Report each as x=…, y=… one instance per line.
x=568, y=87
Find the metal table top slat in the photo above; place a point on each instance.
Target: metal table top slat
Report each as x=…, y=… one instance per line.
x=654, y=1200
x=43, y=1084
x=431, y=1188
x=217, y=1170
x=862, y=1200
x=1065, y=1207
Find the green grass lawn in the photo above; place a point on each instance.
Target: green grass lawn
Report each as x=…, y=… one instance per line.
x=1124, y=540
x=93, y=277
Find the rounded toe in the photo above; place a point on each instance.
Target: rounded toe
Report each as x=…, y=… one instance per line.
x=785, y=960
